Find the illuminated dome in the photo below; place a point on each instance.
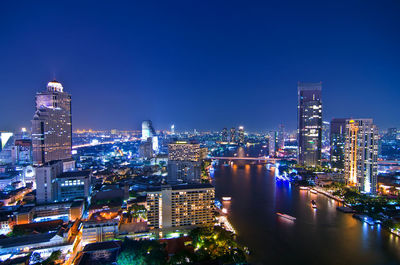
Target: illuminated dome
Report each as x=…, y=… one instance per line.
x=54, y=86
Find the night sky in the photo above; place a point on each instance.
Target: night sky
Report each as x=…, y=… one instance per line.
x=200, y=64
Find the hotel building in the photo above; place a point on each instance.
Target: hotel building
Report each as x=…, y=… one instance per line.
x=180, y=205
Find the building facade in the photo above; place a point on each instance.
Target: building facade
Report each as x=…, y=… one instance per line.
x=51, y=125
x=45, y=181
x=72, y=185
x=184, y=162
x=361, y=155
x=337, y=142
x=180, y=205
x=309, y=124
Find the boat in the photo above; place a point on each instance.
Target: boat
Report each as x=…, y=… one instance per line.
x=226, y=198
x=303, y=188
x=291, y=218
x=314, y=191
x=313, y=204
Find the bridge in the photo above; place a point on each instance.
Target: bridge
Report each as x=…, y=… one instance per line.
x=247, y=158
x=274, y=160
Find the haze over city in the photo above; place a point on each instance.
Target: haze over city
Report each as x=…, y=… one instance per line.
x=200, y=65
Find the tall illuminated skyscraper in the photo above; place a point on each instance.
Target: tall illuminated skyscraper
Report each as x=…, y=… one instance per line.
x=309, y=123
x=51, y=125
x=233, y=135
x=361, y=155
x=337, y=142
x=147, y=130
x=241, y=134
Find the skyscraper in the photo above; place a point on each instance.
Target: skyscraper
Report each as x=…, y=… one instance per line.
x=224, y=135
x=184, y=162
x=147, y=130
x=241, y=134
x=337, y=142
x=233, y=135
x=51, y=125
x=361, y=154
x=309, y=123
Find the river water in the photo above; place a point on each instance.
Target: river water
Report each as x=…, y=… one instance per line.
x=322, y=236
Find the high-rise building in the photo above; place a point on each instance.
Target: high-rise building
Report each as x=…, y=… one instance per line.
x=173, y=129
x=272, y=143
x=45, y=181
x=309, y=123
x=224, y=135
x=233, y=135
x=147, y=130
x=51, y=125
x=281, y=138
x=361, y=154
x=337, y=142
x=241, y=134
x=184, y=162
x=180, y=205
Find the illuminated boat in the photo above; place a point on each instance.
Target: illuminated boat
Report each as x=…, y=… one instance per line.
x=314, y=191
x=291, y=218
x=314, y=204
x=226, y=198
x=303, y=188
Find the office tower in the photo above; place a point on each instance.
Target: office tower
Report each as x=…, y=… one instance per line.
x=147, y=130
x=4, y=139
x=233, y=135
x=184, y=162
x=325, y=134
x=391, y=134
x=22, y=154
x=272, y=139
x=361, y=154
x=337, y=142
x=72, y=185
x=51, y=125
x=309, y=124
x=45, y=178
x=224, y=135
x=146, y=149
x=241, y=134
x=280, y=138
x=173, y=129
x=180, y=205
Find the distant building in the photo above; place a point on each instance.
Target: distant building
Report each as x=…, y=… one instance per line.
x=147, y=130
x=241, y=134
x=51, y=125
x=233, y=135
x=337, y=142
x=146, y=149
x=224, y=135
x=309, y=124
x=325, y=135
x=272, y=143
x=184, y=162
x=280, y=138
x=180, y=205
x=361, y=155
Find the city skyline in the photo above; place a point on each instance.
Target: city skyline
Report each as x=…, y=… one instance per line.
x=201, y=59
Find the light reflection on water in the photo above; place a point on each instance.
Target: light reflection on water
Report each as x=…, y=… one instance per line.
x=322, y=236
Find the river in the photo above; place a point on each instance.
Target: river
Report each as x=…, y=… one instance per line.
x=322, y=236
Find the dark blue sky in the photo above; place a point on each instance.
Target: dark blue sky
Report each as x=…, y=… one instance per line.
x=200, y=64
